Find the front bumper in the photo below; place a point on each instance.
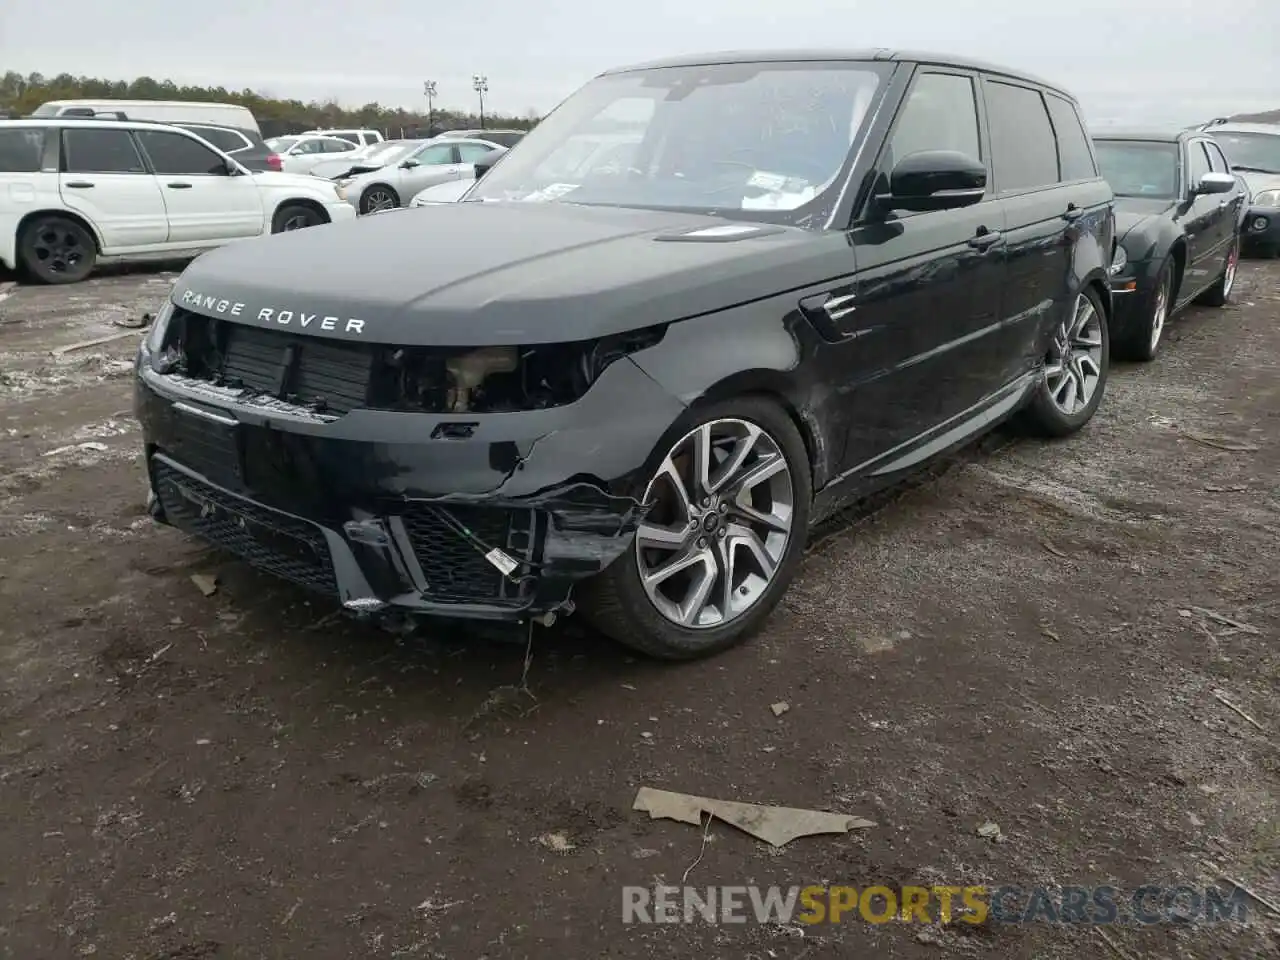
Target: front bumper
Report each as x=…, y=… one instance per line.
x=340, y=210
x=1132, y=291
x=399, y=513
x=1261, y=227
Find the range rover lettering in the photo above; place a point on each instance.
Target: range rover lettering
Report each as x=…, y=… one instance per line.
x=630, y=389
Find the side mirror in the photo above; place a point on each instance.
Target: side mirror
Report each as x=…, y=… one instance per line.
x=935, y=180
x=1214, y=183
x=410, y=164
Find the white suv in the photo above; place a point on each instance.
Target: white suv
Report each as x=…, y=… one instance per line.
x=76, y=192
x=361, y=138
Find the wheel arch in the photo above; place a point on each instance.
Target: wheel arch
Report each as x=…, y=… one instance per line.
x=380, y=184
x=28, y=218
x=313, y=205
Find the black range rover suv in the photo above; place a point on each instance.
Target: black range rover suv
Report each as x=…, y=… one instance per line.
x=704, y=304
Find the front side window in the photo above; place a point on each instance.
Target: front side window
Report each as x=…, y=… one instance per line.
x=1216, y=159
x=172, y=154
x=436, y=153
x=1197, y=164
x=940, y=113
x=337, y=145
x=1024, y=152
x=759, y=141
x=1139, y=168
x=21, y=150
x=1251, y=152
x=85, y=150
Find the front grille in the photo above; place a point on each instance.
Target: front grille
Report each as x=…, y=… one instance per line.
x=267, y=539
x=327, y=375
x=455, y=567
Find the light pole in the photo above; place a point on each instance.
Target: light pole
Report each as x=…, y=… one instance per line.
x=480, y=85
x=429, y=91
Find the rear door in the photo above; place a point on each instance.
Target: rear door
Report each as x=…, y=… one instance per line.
x=28, y=179
x=203, y=202
x=1039, y=214
x=103, y=178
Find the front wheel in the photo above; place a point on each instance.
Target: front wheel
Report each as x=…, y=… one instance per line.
x=295, y=216
x=721, y=542
x=1075, y=370
x=377, y=198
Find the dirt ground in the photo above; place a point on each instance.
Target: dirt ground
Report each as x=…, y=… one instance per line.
x=1021, y=639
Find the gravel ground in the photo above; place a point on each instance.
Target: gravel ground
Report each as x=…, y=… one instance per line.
x=1020, y=639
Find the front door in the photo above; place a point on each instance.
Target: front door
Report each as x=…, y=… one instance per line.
x=433, y=164
x=1202, y=222
x=928, y=288
x=102, y=178
x=203, y=202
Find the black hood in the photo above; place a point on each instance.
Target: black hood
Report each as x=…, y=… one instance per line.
x=477, y=274
x=1132, y=211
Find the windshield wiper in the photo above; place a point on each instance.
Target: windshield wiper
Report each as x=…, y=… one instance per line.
x=1248, y=169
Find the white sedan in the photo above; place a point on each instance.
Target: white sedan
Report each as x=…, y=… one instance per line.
x=436, y=161
x=298, y=154
x=74, y=192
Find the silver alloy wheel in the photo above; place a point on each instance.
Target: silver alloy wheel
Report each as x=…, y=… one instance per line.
x=723, y=503
x=1160, y=311
x=1229, y=278
x=378, y=200
x=1074, y=367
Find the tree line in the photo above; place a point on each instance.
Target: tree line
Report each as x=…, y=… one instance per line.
x=20, y=95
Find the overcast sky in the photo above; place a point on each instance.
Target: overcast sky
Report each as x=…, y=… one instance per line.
x=1160, y=60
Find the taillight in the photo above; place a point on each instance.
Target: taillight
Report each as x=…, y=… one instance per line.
x=274, y=162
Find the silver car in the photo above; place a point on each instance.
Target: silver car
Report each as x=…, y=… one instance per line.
x=436, y=161
x=366, y=159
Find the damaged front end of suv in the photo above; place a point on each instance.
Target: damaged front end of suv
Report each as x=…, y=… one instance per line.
x=403, y=480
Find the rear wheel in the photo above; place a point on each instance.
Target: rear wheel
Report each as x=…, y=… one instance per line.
x=1142, y=342
x=377, y=198
x=722, y=541
x=1075, y=370
x=57, y=250
x=1220, y=293
x=295, y=216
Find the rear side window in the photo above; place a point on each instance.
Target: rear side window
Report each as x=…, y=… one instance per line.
x=21, y=150
x=99, y=151
x=1024, y=153
x=175, y=155
x=940, y=114
x=1074, y=154
x=227, y=140
x=471, y=152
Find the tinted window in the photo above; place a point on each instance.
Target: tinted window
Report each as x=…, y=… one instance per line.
x=174, y=154
x=436, y=153
x=1139, y=168
x=940, y=114
x=1073, y=145
x=1024, y=153
x=1216, y=159
x=20, y=150
x=227, y=140
x=337, y=145
x=1197, y=164
x=100, y=151
x=471, y=152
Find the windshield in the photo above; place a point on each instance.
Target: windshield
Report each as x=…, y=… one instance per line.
x=1138, y=168
x=759, y=141
x=1257, y=151
x=281, y=144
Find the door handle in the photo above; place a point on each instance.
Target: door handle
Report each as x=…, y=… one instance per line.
x=985, y=239
x=178, y=186
x=79, y=184
x=1072, y=213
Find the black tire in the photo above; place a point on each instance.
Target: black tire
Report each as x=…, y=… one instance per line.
x=295, y=216
x=615, y=602
x=367, y=198
x=1043, y=415
x=56, y=249
x=1143, y=341
x=1219, y=295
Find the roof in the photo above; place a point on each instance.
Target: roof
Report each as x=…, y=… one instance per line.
x=836, y=56
x=1153, y=136
x=96, y=122
x=1268, y=128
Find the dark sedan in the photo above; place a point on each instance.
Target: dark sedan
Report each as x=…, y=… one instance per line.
x=1178, y=212
x=1254, y=152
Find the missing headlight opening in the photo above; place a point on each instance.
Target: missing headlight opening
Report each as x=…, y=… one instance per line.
x=337, y=376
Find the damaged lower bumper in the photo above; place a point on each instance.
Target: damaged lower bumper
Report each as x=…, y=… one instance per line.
x=394, y=513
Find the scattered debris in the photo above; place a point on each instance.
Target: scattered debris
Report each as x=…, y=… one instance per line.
x=557, y=842
x=206, y=584
x=97, y=342
x=1221, y=443
x=141, y=323
x=1115, y=947
x=1241, y=887
x=780, y=708
x=1234, y=488
x=1222, y=699
x=203, y=742
x=8, y=289
x=292, y=910
x=774, y=825
x=991, y=831
x=92, y=445
x=1227, y=621
x=1054, y=550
